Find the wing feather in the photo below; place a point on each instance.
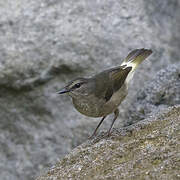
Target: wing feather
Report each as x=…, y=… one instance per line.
x=119, y=76
x=110, y=81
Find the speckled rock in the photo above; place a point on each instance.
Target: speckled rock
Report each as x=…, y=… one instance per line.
x=146, y=150
x=45, y=43
x=161, y=92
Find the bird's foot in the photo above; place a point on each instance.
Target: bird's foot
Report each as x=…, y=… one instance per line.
x=91, y=137
x=109, y=133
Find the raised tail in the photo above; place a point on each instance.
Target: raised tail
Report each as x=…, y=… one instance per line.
x=134, y=58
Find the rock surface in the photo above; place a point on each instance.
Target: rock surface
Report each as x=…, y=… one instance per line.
x=146, y=150
x=161, y=92
x=47, y=43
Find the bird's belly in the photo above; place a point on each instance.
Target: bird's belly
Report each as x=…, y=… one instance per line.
x=89, y=107
x=116, y=99
x=95, y=107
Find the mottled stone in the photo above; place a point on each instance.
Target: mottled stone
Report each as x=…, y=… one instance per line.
x=146, y=150
x=45, y=43
x=161, y=92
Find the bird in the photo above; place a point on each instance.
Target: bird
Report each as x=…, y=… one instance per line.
x=101, y=94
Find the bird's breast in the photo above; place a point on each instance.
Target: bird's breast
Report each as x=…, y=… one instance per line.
x=91, y=106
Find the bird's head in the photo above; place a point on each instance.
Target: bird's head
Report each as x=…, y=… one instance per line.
x=80, y=87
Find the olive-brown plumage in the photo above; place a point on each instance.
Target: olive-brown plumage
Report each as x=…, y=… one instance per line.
x=101, y=94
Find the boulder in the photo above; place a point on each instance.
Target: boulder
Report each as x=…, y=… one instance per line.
x=148, y=149
x=46, y=43
x=161, y=92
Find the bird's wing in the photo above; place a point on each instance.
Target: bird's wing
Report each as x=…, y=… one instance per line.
x=109, y=81
x=108, y=93
x=118, y=76
x=103, y=86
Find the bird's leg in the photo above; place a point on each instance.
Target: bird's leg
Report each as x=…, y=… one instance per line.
x=94, y=133
x=116, y=113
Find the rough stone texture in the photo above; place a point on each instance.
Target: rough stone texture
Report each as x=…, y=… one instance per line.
x=146, y=150
x=161, y=92
x=45, y=43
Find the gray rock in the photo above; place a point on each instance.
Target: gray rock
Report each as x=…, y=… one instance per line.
x=47, y=43
x=161, y=92
x=146, y=150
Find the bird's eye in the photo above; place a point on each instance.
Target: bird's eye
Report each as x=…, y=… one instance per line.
x=77, y=85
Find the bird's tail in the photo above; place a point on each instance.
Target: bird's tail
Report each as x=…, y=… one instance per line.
x=133, y=59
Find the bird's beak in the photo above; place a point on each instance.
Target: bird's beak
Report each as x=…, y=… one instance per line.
x=62, y=91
